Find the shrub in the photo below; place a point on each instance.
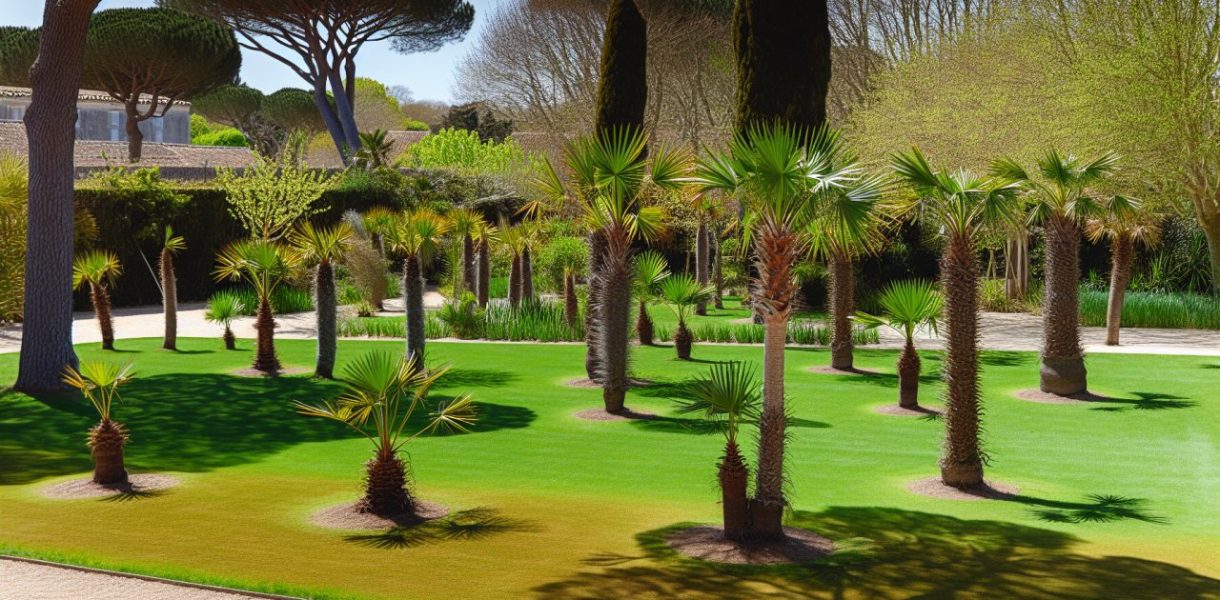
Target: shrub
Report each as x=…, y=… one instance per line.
x=12, y=236
x=557, y=256
x=368, y=272
x=231, y=138
x=462, y=150
x=284, y=300
x=463, y=317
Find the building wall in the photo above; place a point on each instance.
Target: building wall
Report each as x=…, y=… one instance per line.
x=103, y=121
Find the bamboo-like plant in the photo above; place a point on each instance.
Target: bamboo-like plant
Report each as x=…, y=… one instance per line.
x=651, y=269
x=223, y=308
x=99, y=270
x=1125, y=222
x=263, y=265
x=323, y=246
x=100, y=381
x=172, y=244
x=682, y=293
x=382, y=393
x=418, y=237
x=908, y=306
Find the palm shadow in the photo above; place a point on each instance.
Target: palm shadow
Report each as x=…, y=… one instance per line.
x=466, y=377
x=1007, y=358
x=1142, y=401
x=1098, y=508
x=466, y=525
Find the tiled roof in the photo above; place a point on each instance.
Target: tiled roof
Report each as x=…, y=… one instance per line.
x=84, y=95
x=92, y=154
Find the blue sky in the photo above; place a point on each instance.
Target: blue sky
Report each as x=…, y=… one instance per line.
x=430, y=76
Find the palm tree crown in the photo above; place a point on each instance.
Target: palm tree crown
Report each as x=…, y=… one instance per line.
x=260, y=263
x=908, y=305
x=96, y=267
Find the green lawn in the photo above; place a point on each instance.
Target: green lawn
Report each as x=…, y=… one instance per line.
x=1118, y=499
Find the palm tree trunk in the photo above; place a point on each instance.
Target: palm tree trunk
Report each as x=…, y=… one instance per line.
x=734, y=477
x=597, y=253
x=514, y=281
x=961, y=464
x=101, y=308
x=106, y=440
x=484, y=273
x=327, y=307
x=469, y=277
x=527, y=276
x=385, y=487
x=1016, y=267
x=717, y=271
x=571, y=304
x=701, y=261
x=683, y=340
x=169, y=296
x=842, y=300
x=614, y=320
x=644, y=329
x=1063, y=370
x=265, y=359
x=767, y=506
x=230, y=339
x=908, y=376
x=413, y=288
x=1122, y=253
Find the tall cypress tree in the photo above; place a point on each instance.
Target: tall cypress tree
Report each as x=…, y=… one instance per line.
x=783, y=62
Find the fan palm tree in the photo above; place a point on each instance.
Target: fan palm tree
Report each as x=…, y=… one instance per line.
x=682, y=293
x=263, y=265
x=466, y=224
x=418, y=237
x=379, y=221
x=613, y=180
x=172, y=245
x=650, y=270
x=513, y=240
x=100, y=381
x=961, y=205
x=323, y=246
x=374, y=152
x=223, y=308
x=908, y=306
x=784, y=178
x=382, y=392
x=1126, y=221
x=1061, y=201
x=99, y=269
x=729, y=395
x=486, y=234
x=530, y=241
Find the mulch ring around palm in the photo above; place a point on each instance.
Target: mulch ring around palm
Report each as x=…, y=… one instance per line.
x=144, y=484
x=600, y=414
x=252, y=372
x=1041, y=397
x=708, y=543
x=349, y=517
x=898, y=411
x=933, y=487
x=586, y=383
x=828, y=370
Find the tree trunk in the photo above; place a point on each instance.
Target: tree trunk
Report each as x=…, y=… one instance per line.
x=101, y=307
x=597, y=253
x=643, y=325
x=961, y=464
x=50, y=124
x=230, y=340
x=527, y=276
x=484, y=274
x=701, y=261
x=265, y=359
x=842, y=301
x=734, y=477
x=169, y=298
x=413, y=288
x=469, y=277
x=717, y=271
x=683, y=340
x=1122, y=253
x=571, y=304
x=614, y=320
x=106, y=441
x=1063, y=371
x=327, y=307
x=135, y=137
x=385, y=487
x=908, y=377
x=514, y=281
x=1016, y=267
x=767, y=506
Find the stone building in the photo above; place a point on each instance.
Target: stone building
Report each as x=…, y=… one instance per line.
x=102, y=118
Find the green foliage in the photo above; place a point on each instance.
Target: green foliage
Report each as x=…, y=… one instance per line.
x=542, y=321
x=261, y=264
x=681, y=293
x=95, y=267
x=284, y=300
x=293, y=109
x=729, y=393
x=229, y=137
x=908, y=305
x=374, y=153
x=13, y=194
x=227, y=104
x=18, y=49
x=561, y=255
x=226, y=305
x=99, y=381
x=1153, y=309
x=269, y=198
x=464, y=151
x=463, y=317
x=622, y=90
x=468, y=118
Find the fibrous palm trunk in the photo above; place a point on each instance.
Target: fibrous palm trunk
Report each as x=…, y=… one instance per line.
x=101, y=308
x=385, y=491
x=842, y=301
x=961, y=465
x=169, y=296
x=469, y=277
x=1122, y=252
x=265, y=359
x=683, y=340
x=908, y=376
x=644, y=329
x=734, y=477
x=327, y=307
x=701, y=261
x=614, y=316
x=527, y=276
x=229, y=338
x=413, y=289
x=717, y=271
x=484, y=274
x=1063, y=371
x=514, y=281
x=571, y=304
x=106, y=441
x=597, y=253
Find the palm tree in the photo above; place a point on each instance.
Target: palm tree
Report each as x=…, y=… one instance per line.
x=1061, y=202
x=466, y=225
x=682, y=293
x=99, y=269
x=1126, y=221
x=382, y=392
x=613, y=179
x=729, y=394
x=323, y=246
x=530, y=239
x=960, y=205
x=100, y=381
x=485, y=235
x=263, y=265
x=374, y=152
x=513, y=239
x=418, y=237
x=172, y=245
x=908, y=306
x=650, y=270
x=223, y=308
x=379, y=221
x=784, y=178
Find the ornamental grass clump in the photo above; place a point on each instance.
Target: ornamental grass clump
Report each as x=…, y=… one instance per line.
x=100, y=381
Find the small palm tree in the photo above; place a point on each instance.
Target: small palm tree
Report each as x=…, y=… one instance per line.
x=382, y=393
x=466, y=225
x=908, y=306
x=223, y=308
x=374, y=152
x=172, y=245
x=264, y=266
x=513, y=240
x=1126, y=221
x=100, y=381
x=651, y=269
x=961, y=206
x=99, y=269
x=418, y=237
x=682, y=293
x=485, y=236
x=323, y=247
x=729, y=393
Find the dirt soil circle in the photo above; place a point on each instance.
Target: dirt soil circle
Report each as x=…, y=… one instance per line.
x=898, y=411
x=76, y=489
x=933, y=487
x=707, y=543
x=828, y=370
x=600, y=414
x=586, y=383
x=1041, y=397
x=348, y=517
x=252, y=372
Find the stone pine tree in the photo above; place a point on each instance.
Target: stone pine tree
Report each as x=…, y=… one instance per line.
x=50, y=122
x=622, y=96
x=265, y=119
x=319, y=41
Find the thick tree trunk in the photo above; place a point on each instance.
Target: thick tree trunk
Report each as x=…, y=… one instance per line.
x=322, y=100
x=484, y=274
x=614, y=322
x=701, y=261
x=908, y=376
x=527, y=276
x=327, y=308
x=1122, y=253
x=842, y=301
x=597, y=253
x=961, y=465
x=385, y=487
x=571, y=304
x=767, y=506
x=230, y=339
x=717, y=270
x=683, y=341
x=265, y=359
x=135, y=137
x=734, y=478
x=50, y=124
x=514, y=281
x=469, y=277
x=169, y=298
x=413, y=289
x=643, y=325
x=1063, y=371
x=106, y=441
x=101, y=308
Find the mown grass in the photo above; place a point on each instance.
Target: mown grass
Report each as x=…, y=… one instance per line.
x=1153, y=309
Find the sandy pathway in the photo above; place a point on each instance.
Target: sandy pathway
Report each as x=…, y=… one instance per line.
x=21, y=580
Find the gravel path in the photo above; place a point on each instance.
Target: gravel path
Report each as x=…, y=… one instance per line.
x=20, y=580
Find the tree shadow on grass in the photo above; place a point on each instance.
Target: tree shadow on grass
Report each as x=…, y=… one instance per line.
x=473, y=524
x=1098, y=508
x=487, y=378
x=891, y=553
x=1007, y=358
x=1142, y=401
